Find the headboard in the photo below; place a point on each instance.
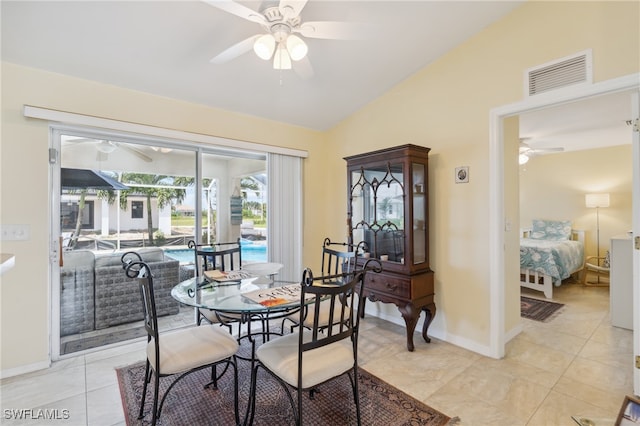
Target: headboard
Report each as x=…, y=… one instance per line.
x=576, y=234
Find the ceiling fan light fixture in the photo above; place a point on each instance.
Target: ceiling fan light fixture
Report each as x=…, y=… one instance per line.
x=161, y=149
x=264, y=46
x=297, y=47
x=522, y=159
x=106, y=147
x=281, y=59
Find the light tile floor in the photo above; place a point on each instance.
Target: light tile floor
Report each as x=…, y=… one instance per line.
x=576, y=364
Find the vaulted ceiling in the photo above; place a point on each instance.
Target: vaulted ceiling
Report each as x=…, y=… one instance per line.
x=165, y=47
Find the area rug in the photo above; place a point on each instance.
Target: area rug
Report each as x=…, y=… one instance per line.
x=538, y=310
x=189, y=403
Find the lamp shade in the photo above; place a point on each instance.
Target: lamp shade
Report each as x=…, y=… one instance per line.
x=297, y=48
x=264, y=46
x=596, y=200
x=281, y=59
x=522, y=159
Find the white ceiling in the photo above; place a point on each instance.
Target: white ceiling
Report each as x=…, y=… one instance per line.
x=164, y=48
x=587, y=124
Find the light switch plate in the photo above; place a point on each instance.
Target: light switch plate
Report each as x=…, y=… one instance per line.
x=15, y=232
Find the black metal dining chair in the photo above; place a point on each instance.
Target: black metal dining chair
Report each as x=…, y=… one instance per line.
x=177, y=353
x=304, y=360
x=223, y=257
x=335, y=262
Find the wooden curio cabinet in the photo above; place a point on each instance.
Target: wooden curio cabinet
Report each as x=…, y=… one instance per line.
x=388, y=210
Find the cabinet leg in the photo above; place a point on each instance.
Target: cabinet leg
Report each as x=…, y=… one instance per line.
x=430, y=312
x=411, y=319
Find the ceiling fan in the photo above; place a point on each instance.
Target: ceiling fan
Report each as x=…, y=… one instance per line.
x=281, y=23
x=106, y=147
x=527, y=152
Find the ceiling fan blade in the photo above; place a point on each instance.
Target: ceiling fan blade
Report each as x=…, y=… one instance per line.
x=291, y=8
x=237, y=9
x=136, y=152
x=336, y=30
x=236, y=50
x=557, y=149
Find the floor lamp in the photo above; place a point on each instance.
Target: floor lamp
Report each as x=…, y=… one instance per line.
x=597, y=201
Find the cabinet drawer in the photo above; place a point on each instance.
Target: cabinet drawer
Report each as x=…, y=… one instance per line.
x=389, y=285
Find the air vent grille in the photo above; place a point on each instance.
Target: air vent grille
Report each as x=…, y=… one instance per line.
x=559, y=74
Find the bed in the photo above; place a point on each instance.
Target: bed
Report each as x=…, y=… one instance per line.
x=550, y=252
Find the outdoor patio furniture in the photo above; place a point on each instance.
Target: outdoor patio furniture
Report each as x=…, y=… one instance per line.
x=94, y=293
x=118, y=302
x=77, y=294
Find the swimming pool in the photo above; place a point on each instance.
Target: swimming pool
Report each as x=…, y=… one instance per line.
x=250, y=252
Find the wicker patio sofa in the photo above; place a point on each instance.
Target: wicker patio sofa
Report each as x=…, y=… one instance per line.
x=96, y=294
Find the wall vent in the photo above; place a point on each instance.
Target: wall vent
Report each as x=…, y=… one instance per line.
x=558, y=74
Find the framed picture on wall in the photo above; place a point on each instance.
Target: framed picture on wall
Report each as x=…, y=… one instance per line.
x=629, y=412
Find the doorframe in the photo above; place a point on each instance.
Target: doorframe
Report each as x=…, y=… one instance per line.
x=635, y=115
x=497, y=219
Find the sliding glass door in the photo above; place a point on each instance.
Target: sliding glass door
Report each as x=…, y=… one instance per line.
x=121, y=193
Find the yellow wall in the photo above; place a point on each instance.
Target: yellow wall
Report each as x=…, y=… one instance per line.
x=554, y=186
x=444, y=106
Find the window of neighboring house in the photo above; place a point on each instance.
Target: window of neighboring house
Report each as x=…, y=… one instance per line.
x=69, y=215
x=137, y=211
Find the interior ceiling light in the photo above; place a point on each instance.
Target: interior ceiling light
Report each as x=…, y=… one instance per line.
x=265, y=46
x=161, y=149
x=281, y=59
x=283, y=33
x=522, y=159
x=281, y=45
x=106, y=147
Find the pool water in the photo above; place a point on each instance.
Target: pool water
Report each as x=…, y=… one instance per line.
x=250, y=252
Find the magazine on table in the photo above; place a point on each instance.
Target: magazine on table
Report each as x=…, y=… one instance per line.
x=276, y=295
x=225, y=277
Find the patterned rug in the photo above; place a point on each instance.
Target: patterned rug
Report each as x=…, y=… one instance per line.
x=190, y=404
x=538, y=310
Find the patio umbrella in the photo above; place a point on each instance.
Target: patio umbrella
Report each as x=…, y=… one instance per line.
x=85, y=178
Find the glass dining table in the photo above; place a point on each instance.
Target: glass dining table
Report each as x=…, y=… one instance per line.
x=244, y=299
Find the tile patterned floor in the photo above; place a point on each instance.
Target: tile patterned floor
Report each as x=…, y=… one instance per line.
x=576, y=364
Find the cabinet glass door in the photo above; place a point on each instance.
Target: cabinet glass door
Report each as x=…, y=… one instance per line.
x=377, y=200
x=419, y=214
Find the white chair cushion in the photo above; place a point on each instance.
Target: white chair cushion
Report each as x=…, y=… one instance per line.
x=318, y=365
x=193, y=347
x=323, y=317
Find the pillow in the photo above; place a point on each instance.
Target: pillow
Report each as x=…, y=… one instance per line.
x=553, y=230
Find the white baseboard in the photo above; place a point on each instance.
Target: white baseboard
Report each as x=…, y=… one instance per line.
x=24, y=369
x=389, y=312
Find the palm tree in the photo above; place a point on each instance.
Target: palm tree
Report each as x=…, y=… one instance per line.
x=104, y=194
x=151, y=186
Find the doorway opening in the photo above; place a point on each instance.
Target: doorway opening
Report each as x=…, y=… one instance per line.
x=502, y=240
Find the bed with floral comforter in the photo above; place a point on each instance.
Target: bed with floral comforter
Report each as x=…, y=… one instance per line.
x=551, y=252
